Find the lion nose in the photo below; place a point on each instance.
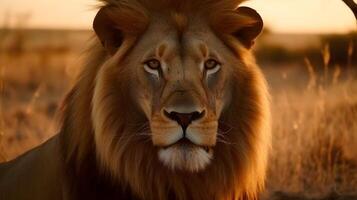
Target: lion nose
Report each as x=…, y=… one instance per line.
x=184, y=119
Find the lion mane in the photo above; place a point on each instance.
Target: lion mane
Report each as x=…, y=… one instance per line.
x=239, y=169
x=125, y=166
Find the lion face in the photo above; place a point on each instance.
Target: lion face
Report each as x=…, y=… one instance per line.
x=184, y=86
x=181, y=79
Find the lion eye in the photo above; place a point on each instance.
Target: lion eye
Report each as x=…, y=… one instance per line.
x=212, y=66
x=153, y=66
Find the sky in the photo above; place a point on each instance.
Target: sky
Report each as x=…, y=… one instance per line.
x=281, y=16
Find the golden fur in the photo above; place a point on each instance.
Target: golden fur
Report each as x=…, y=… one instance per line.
x=111, y=124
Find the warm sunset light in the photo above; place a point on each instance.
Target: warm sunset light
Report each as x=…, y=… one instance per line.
x=292, y=16
x=305, y=16
x=178, y=99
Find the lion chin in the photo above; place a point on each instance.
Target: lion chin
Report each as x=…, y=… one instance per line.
x=186, y=156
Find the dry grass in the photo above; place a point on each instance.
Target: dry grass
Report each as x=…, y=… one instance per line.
x=36, y=70
x=314, y=133
x=314, y=143
x=315, y=128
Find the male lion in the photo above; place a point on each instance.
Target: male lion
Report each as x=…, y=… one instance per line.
x=170, y=106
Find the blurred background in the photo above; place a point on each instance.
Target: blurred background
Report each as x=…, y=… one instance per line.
x=308, y=52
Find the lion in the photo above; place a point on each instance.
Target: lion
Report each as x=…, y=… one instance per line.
x=170, y=106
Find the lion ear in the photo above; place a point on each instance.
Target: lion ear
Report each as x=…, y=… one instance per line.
x=107, y=29
x=250, y=31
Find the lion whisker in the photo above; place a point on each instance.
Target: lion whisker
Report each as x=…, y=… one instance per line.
x=228, y=125
x=224, y=132
x=222, y=139
x=143, y=127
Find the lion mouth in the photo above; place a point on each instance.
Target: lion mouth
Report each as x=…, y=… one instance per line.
x=186, y=143
x=186, y=155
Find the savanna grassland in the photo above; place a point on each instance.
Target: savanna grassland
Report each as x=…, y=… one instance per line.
x=314, y=105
